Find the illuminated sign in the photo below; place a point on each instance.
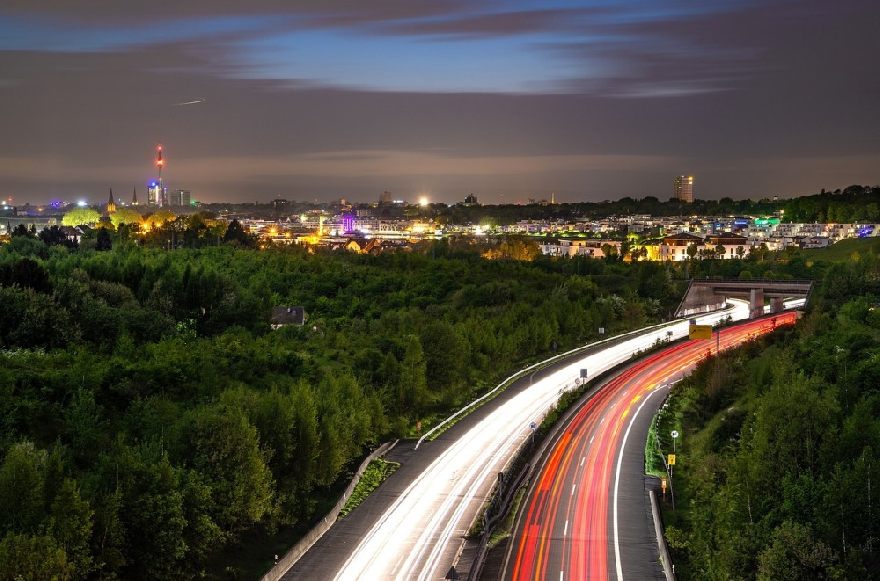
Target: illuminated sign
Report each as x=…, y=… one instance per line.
x=700, y=332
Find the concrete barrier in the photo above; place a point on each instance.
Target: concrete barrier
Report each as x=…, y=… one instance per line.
x=665, y=560
x=299, y=549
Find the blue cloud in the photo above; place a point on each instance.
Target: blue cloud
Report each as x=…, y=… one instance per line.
x=480, y=46
x=52, y=35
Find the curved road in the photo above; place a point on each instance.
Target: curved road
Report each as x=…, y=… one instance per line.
x=419, y=534
x=587, y=515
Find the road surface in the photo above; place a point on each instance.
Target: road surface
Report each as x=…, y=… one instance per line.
x=587, y=515
x=419, y=532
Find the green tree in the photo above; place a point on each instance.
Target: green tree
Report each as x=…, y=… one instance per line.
x=412, y=387
x=237, y=234
x=22, y=231
x=794, y=555
x=55, y=236
x=226, y=449
x=21, y=488
x=444, y=353
x=33, y=558
x=125, y=216
x=81, y=217
x=103, y=241
x=71, y=519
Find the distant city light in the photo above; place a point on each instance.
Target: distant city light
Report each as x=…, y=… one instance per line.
x=82, y=203
x=423, y=201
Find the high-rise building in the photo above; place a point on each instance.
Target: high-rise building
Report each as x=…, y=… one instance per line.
x=179, y=198
x=683, y=188
x=154, y=194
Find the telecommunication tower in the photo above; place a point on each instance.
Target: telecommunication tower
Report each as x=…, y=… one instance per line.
x=162, y=198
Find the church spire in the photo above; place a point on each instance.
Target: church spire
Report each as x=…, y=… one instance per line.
x=111, y=205
x=134, y=196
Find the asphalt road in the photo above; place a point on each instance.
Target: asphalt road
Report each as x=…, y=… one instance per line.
x=588, y=515
x=412, y=527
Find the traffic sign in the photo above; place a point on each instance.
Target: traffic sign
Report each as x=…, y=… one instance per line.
x=700, y=332
x=670, y=459
x=584, y=373
x=452, y=574
x=674, y=434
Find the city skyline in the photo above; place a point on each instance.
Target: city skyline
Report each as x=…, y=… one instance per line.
x=586, y=100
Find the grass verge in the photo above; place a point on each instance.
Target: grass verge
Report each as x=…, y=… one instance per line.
x=375, y=474
x=505, y=528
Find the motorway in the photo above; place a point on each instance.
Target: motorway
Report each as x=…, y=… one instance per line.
x=587, y=515
x=418, y=534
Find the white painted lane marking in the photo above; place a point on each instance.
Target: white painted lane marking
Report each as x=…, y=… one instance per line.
x=618, y=564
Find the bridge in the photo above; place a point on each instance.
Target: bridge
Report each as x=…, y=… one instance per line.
x=705, y=295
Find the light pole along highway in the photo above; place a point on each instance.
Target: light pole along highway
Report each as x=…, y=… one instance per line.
x=587, y=515
x=420, y=533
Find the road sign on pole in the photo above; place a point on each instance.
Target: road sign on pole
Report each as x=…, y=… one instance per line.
x=670, y=459
x=700, y=332
x=452, y=574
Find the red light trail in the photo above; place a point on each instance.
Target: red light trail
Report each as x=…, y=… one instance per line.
x=578, y=483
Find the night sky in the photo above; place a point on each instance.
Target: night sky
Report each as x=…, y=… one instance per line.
x=508, y=99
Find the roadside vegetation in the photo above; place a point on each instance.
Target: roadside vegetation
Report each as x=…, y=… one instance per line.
x=375, y=474
x=777, y=469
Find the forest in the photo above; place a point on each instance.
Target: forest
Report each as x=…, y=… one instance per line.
x=151, y=419
x=777, y=470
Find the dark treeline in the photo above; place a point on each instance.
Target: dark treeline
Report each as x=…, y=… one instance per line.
x=149, y=417
x=778, y=469
x=852, y=204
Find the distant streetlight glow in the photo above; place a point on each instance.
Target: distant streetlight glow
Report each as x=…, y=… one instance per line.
x=82, y=203
x=423, y=201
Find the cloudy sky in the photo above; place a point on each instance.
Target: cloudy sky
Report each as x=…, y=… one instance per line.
x=509, y=99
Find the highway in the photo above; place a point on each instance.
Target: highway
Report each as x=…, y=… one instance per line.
x=587, y=514
x=419, y=534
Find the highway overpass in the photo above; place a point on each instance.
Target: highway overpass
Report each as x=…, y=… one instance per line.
x=705, y=295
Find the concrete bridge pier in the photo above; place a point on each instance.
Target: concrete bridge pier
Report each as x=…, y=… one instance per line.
x=777, y=304
x=756, y=303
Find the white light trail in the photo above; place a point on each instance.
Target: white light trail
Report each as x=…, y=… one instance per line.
x=413, y=539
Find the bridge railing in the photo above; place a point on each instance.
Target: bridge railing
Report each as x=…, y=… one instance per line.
x=753, y=281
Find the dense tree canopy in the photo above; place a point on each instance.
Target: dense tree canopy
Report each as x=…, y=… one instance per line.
x=149, y=416
x=81, y=217
x=777, y=471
